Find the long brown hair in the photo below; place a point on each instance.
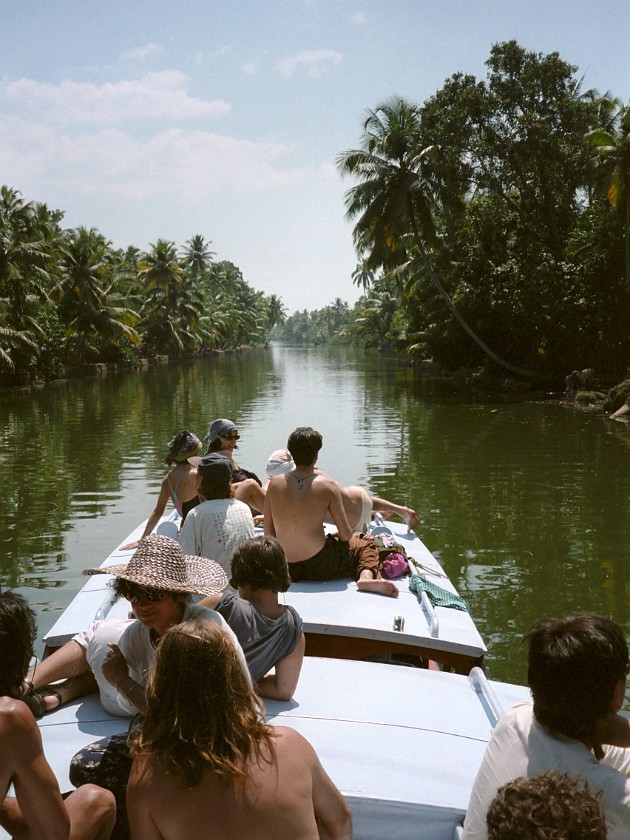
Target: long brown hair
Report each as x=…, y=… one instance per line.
x=202, y=711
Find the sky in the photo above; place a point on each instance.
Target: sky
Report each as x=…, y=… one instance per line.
x=163, y=119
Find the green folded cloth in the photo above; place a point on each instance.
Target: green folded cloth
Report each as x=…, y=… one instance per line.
x=439, y=597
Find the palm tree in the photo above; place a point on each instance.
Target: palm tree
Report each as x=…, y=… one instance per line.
x=611, y=147
x=27, y=241
x=88, y=304
x=276, y=312
x=197, y=256
x=399, y=191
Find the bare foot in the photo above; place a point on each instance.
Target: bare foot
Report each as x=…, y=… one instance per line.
x=411, y=519
x=379, y=586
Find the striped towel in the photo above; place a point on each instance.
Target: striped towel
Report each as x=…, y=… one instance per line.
x=439, y=597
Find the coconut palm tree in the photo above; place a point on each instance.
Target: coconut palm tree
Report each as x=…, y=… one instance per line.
x=197, y=256
x=27, y=244
x=89, y=305
x=276, y=311
x=611, y=147
x=400, y=190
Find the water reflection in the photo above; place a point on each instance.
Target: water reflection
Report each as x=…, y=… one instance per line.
x=525, y=504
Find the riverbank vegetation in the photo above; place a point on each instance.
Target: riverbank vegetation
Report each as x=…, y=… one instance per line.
x=69, y=298
x=492, y=224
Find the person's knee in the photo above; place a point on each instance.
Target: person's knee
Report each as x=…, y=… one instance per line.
x=97, y=803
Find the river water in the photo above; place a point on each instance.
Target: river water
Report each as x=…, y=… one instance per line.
x=524, y=503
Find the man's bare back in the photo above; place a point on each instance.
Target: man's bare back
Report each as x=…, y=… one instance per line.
x=286, y=799
x=296, y=506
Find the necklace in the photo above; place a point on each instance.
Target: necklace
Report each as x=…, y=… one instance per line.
x=300, y=481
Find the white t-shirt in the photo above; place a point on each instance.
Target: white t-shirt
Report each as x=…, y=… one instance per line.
x=134, y=641
x=520, y=746
x=214, y=528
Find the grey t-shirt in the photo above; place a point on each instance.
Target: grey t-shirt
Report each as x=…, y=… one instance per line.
x=265, y=641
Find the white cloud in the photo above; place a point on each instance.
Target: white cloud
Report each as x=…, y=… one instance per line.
x=250, y=69
x=110, y=163
x=358, y=18
x=142, y=53
x=316, y=62
x=154, y=96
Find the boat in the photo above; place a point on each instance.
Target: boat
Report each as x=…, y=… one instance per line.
x=403, y=744
x=339, y=622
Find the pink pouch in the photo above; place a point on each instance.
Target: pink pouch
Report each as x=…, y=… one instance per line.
x=394, y=565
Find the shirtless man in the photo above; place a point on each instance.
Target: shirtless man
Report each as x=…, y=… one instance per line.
x=208, y=766
x=357, y=502
x=37, y=811
x=297, y=505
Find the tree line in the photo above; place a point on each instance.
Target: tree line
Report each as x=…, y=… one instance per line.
x=68, y=297
x=492, y=223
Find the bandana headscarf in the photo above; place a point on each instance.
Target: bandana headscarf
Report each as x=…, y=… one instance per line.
x=182, y=446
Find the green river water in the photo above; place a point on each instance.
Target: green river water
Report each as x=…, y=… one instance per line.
x=525, y=503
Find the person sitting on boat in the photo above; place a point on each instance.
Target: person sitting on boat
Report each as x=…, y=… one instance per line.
x=206, y=763
x=297, y=505
x=357, y=502
x=222, y=437
x=37, y=810
x=113, y=655
x=577, y=668
x=179, y=484
x=550, y=805
x=220, y=522
x=270, y=633
x=159, y=581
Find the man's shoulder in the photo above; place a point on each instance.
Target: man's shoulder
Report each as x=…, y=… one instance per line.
x=17, y=723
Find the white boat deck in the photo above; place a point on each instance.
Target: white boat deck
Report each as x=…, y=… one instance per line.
x=342, y=622
x=338, y=620
x=402, y=744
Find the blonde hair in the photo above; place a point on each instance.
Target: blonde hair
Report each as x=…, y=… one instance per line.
x=202, y=711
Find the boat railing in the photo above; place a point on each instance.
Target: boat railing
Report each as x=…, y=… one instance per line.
x=433, y=621
x=485, y=692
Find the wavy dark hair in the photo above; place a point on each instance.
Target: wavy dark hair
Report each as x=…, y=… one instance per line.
x=17, y=639
x=574, y=666
x=304, y=443
x=262, y=564
x=202, y=712
x=551, y=806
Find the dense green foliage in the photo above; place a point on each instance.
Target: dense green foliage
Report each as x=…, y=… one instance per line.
x=67, y=297
x=492, y=223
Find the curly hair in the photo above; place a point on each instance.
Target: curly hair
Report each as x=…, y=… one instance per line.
x=262, y=564
x=17, y=638
x=551, y=806
x=574, y=667
x=202, y=711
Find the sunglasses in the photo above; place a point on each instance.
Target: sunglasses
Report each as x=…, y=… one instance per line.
x=232, y=436
x=136, y=593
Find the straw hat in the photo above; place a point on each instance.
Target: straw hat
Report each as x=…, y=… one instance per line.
x=160, y=563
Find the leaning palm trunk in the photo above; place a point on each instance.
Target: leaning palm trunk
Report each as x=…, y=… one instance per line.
x=435, y=279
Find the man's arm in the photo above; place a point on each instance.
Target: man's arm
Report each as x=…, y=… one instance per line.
x=116, y=671
x=139, y=804
x=269, y=525
x=282, y=684
x=338, y=513
x=333, y=815
x=36, y=788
